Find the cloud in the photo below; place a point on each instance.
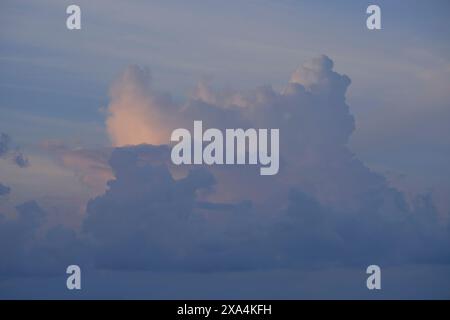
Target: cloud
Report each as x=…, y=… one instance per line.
x=21, y=160
x=4, y=190
x=324, y=208
x=4, y=143
x=168, y=227
x=89, y=164
x=15, y=154
x=312, y=115
x=137, y=114
x=32, y=248
x=17, y=235
x=145, y=209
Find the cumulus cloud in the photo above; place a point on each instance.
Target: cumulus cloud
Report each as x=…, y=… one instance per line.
x=169, y=227
x=324, y=207
x=146, y=209
x=311, y=113
x=137, y=114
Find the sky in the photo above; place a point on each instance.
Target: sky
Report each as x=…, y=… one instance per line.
x=85, y=170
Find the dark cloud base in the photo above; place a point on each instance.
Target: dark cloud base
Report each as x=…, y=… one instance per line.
x=151, y=225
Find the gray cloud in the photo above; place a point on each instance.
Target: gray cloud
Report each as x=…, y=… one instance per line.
x=159, y=209
x=89, y=165
x=32, y=248
x=14, y=154
x=5, y=141
x=324, y=208
x=21, y=160
x=4, y=190
x=167, y=226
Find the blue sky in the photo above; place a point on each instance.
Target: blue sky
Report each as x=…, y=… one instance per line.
x=64, y=98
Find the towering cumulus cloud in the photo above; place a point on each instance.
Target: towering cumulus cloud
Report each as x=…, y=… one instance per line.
x=311, y=113
x=324, y=205
x=137, y=114
x=324, y=208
